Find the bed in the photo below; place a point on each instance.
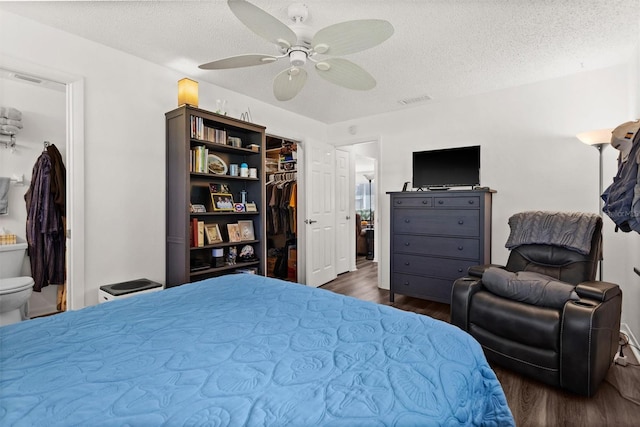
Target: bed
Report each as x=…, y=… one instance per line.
x=244, y=350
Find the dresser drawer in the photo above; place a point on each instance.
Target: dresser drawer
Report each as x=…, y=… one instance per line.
x=445, y=222
x=457, y=202
x=455, y=247
x=422, y=287
x=428, y=266
x=408, y=202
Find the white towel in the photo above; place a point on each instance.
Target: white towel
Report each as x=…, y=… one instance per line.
x=16, y=123
x=9, y=129
x=10, y=113
x=4, y=194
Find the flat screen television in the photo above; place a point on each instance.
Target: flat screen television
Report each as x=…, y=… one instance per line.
x=449, y=167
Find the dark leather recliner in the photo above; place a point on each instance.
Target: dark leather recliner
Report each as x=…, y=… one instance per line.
x=571, y=348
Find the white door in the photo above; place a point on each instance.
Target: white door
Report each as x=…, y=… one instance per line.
x=345, y=224
x=320, y=242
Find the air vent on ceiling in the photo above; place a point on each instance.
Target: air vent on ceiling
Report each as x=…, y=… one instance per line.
x=415, y=100
x=27, y=78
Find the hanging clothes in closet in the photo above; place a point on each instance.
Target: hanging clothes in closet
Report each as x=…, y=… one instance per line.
x=281, y=199
x=281, y=219
x=46, y=211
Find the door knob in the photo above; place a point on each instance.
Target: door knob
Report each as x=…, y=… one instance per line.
x=309, y=221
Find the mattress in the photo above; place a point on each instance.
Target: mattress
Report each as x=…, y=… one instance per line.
x=244, y=350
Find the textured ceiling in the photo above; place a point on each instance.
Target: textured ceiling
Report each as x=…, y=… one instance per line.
x=440, y=48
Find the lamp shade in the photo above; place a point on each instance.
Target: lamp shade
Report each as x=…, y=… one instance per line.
x=593, y=137
x=187, y=92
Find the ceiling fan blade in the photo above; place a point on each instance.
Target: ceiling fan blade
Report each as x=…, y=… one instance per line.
x=262, y=23
x=351, y=36
x=345, y=73
x=288, y=83
x=239, y=61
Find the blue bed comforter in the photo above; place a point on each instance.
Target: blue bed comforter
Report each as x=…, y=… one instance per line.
x=244, y=350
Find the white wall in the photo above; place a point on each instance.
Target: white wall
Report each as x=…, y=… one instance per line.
x=125, y=102
x=43, y=119
x=529, y=155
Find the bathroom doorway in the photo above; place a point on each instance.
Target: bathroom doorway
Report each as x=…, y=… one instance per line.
x=41, y=107
x=71, y=145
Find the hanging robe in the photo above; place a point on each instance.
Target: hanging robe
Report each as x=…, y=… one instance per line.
x=45, y=229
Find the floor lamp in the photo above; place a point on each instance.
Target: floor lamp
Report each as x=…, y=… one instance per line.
x=369, y=232
x=599, y=139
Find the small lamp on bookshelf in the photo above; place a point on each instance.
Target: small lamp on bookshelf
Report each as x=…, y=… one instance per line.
x=187, y=92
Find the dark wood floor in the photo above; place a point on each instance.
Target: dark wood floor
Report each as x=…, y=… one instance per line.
x=616, y=403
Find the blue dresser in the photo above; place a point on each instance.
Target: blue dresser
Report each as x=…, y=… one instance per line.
x=435, y=237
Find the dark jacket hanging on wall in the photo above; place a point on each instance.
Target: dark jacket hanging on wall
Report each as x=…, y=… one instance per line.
x=45, y=225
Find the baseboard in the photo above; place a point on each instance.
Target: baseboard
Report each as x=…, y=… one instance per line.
x=632, y=340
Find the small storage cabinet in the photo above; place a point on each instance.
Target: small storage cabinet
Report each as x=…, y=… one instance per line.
x=201, y=146
x=435, y=237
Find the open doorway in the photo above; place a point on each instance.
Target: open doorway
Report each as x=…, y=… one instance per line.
x=365, y=204
x=39, y=110
x=365, y=156
x=73, y=145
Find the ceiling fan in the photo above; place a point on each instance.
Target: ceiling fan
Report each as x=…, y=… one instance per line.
x=298, y=43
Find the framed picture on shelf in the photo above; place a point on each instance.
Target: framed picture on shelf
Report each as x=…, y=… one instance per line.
x=218, y=188
x=198, y=209
x=234, y=232
x=246, y=230
x=212, y=231
x=251, y=207
x=222, y=202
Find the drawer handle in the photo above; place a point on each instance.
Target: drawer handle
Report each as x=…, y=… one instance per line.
x=460, y=222
x=424, y=202
x=471, y=202
x=441, y=202
x=459, y=270
x=407, y=263
x=398, y=202
x=407, y=243
x=407, y=221
x=460, y=248
x=406, y=283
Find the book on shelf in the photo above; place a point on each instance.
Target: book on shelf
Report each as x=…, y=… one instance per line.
x=198, y=159
x=207, y=133
x=196, y=238
x=193, y=229
x=200, y=234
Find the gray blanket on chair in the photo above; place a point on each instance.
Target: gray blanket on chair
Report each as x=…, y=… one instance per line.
x=571, y=230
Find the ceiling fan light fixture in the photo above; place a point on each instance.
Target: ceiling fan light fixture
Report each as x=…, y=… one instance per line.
x=321, y=48
x=323, y=66
x=298, y=58
x=283, y=44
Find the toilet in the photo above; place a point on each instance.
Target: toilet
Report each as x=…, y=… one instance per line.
x=15, y=290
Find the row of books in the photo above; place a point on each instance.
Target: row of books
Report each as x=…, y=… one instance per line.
x=198, y=159
x=205, y=133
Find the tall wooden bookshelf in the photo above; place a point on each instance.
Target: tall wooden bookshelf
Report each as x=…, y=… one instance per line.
x=192, y=130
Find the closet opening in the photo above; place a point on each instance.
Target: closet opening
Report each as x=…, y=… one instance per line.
x=281, y=170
